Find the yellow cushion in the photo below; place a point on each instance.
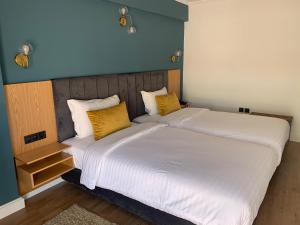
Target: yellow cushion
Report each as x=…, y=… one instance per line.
x=110, y=120
x=167, y=104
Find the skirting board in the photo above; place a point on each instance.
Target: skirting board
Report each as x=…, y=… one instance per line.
x=43, y=188
x=11, y=207
x=16, y=205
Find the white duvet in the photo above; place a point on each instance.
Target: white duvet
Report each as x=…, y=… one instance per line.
x=267, y=131
x=204, y=179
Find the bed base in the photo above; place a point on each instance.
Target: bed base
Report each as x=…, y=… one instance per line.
x=148, y=213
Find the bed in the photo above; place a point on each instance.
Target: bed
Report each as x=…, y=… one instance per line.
x=200, y=178
x=195, y=178
x=272, y=132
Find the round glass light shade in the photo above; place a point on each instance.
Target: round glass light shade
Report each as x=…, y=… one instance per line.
x=123, y=10
x=26, y=48
x=178, y=53
x=131, y=30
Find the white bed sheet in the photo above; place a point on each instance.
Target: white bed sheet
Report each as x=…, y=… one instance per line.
x=205, y=179
x=146, y=118
x=180, y=114
x=267, y=131
x=78, y=147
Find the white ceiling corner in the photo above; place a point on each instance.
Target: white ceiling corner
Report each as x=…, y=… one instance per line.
x=183, y=1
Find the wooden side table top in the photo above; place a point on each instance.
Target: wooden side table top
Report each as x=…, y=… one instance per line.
x=184, y=104
x=41, y=153
x=42, y=165
x=284, y=117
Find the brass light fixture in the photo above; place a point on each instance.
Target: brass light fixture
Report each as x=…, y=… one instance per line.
x=123, y=13
x=176, y=57
x=131, y=27
x=123, y=21
x=22, y=58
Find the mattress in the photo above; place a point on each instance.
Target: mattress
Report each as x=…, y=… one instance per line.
x=204, y=179
x=272, y=132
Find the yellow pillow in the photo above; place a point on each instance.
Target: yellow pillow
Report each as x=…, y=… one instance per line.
x=110, y=120
x=167, y=104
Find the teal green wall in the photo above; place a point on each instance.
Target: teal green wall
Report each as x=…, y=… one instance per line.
x=8, y=187
x=81, y=38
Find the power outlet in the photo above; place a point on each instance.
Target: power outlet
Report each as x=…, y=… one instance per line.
x=247, y=110
x=35, y=137
x=241, y=110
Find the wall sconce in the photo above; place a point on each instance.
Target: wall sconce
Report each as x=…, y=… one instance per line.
x=131, y=28
x=123, y=13
x=124, y=22
x=22, y=58
x=176, y=57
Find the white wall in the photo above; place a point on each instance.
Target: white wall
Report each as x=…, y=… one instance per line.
x=244, y=53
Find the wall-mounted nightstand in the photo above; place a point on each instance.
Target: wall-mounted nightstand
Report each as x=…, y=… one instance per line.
x=42, y=165
x=289, y=119
x=184, y=104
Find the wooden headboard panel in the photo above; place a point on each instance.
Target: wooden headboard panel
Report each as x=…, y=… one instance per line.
x=127, y=86
x=30, y=110
x=31, y=106
x=174, y=82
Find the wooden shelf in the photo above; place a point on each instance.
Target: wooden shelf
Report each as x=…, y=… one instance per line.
x=46, y=163
x=41, y=153
x=51, y=173
x=41, y=166
x=289, y=119
x=284, y=117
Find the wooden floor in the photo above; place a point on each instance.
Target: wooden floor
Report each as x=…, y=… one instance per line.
x=280, y=207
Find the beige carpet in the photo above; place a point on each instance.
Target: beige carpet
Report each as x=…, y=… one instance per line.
x=77, y=216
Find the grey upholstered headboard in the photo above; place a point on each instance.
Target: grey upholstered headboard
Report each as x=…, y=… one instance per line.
x=127, y=86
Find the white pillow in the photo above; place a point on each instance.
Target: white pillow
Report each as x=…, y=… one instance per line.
x=78, y=108
x=150, y=101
